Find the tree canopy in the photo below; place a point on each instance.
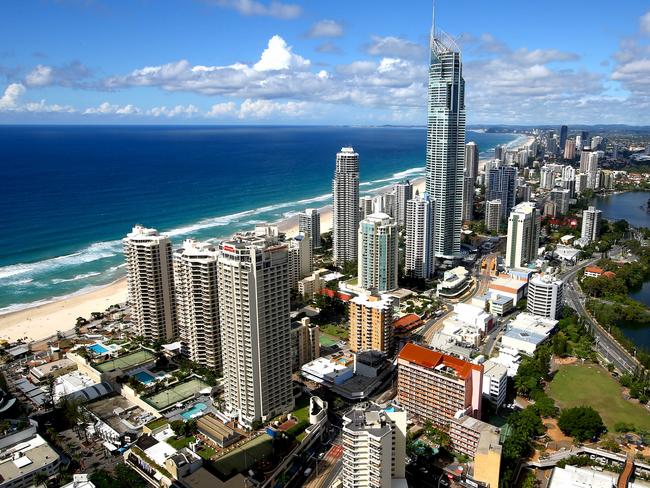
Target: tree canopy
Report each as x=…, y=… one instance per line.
x=581, y=423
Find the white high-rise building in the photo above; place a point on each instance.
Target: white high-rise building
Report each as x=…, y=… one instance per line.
x=546, y=178
x=584, y=160
x=545, y=296
x=365, y=206
x=197, y=303
x=403, y=193
x=374, y=446
x=309, y=224
x=446, y=142
x=468, y=198
x=581, y=183
x=150, y=283
x=523, y=235
x=592, y=170
x=420, y=257
x=300, y=259
x=471, y=160
x=378, y=247
x=591, y=222
x=561, y=197
x=493, y=215
x=255, y=327
x=345, y=218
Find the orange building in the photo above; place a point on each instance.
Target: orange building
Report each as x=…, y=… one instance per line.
x=371, y=324
x=434, y=386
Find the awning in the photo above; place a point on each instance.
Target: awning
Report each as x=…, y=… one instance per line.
x=109, y=446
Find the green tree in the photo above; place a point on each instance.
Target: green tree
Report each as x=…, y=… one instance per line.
x=581, y=423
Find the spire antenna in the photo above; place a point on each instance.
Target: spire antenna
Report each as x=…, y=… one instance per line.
x=433, y=19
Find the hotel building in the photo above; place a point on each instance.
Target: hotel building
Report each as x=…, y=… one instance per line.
x=345, y=217
x=255, y=327
x=150, y=283
x=371, y=324
x=437, y=387
x=197, y=303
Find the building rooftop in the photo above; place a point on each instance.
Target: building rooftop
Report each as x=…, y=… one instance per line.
x=507, y=285
x=494, y=369
x=79, y=385
x=127, y=361
x=119, y=414
x=428, y=358
x=48, y=368
x=25, y=457
x=574, y=477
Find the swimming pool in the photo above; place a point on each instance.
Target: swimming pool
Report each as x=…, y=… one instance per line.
x=195, y=410
x=144, y=377
x=98, y=349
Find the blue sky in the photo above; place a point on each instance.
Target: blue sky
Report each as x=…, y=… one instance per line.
x=318, y=62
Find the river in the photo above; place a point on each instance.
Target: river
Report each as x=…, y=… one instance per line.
x=631, y=207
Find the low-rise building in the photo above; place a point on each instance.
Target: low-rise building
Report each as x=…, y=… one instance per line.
x=215, y=430
x=116, y=421
x=455, y=282
x=509, y=286
x=41, y=374
x=527, y=332
x=500, y=305
x=593, y=271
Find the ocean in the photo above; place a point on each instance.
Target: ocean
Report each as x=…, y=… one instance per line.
x=69, y=193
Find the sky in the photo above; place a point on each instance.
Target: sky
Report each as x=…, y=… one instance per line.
x=361, y=62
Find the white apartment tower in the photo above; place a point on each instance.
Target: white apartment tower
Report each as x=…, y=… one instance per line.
x=300, y=259
x=197, y=303
x=374, y=446
x=150, y=283
x=378, y=247
x=365, y=206
x=309, y=224
x=403, y=193
x=446, y=142
x=255, y=327
x=493, y=215
x=345, y=206
x=420, y=256
x=523, y=235
x=471, y=160
x=545, y=296
x=468, y=197
x=591, y=222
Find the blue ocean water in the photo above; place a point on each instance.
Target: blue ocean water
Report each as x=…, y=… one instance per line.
x=68, y=194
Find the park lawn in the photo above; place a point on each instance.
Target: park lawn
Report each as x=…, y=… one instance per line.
x=327, y=341
x=589, y=384
x=333, y=330
x=244, y=456
x=180, y=442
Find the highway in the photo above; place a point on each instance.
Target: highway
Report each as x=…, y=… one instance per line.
x=605, y=344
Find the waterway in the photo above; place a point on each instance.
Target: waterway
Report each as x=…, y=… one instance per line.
x=630, y=206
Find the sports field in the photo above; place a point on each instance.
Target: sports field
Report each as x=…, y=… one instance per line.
x=589, y=384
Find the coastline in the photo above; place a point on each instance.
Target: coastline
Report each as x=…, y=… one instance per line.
x=38, y=322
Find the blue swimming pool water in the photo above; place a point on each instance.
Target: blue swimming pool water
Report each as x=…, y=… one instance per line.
x=98, y=349
x=144, y=377
x=196, y=409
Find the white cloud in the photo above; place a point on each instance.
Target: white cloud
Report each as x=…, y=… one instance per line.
x=221, y=109
x=325, y=28
x=395, y=47
x=176, y=111
x=107, y=108
x=11, y=96
x=39, y=76
x=252, y=7
x=262, y=109
x=278, y=56
x=645, y=23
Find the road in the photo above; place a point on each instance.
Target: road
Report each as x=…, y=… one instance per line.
x=605, y=344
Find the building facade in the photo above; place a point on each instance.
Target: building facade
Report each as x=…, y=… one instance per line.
x=591, y=223
x=471, y=160
x=150, y=282
x=523, y=235
x=309, y=224
x=371, y=324
x=493, y=215
x=345, y=216
x=378, y=248
x=305, y=343
x=255, y=327
x=500, y=185
x=420, y=255
x=403, y=193
x=300, y=259
x=545, y=296
x=197, y=303
x=468, y=198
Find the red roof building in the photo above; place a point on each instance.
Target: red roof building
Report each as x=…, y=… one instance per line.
x=407, y=323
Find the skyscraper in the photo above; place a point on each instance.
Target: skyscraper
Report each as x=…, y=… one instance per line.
x=561, y=197
x=365, y=206
x=570, y=149
x=446, y=142
x=499, y=152
x=255, y=327
x=523, y=235
x=345, y=206
x=471, y=159
x=150, y=283
x=375, y=447
x=197, y=303
x=468, y=198
x=564, y=132
x=403, y=193
x=500, y=185
x=300, y=259
x=420, y=260
x=493, y=214
x=309, y=224
x=591, y=222
x=377, y=262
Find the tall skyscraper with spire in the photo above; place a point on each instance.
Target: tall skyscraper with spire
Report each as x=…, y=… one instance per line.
x=446, y=141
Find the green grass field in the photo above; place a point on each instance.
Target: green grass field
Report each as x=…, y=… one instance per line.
x=588, y=384
x=245, y=456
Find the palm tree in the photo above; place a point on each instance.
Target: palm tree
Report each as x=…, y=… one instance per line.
x=40, y=478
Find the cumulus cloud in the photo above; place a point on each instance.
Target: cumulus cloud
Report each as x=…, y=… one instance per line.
x=274, y=8
x=11, y=96
x=278, y=56
x=175, y=111
x=107, y=108
x=325, y=28
x=395, y=47
x=11, y=101
x=69, y=75
x=262, y=109
x=222, y=109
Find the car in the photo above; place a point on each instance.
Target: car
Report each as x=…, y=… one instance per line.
x=307, y=472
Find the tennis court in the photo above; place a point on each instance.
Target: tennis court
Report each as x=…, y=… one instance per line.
x=176, y=394
x=126, y=362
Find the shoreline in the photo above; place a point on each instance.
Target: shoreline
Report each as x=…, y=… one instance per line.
x=42, y=321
